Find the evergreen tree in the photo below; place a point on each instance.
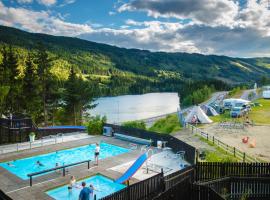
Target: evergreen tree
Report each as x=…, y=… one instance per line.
x=78, y=97
x=31, y=90
x=44, y=66
x=12, y=79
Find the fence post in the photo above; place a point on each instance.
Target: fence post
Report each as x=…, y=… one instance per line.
x=234, y=151
x=128, y=189
x=213, y=139
x=31, y=181
x=95, y=197
x=88, y=164
x=64, y=171
x=244, y=157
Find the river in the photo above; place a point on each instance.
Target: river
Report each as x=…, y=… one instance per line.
x=135, y=107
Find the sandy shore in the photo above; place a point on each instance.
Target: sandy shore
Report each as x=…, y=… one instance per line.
x=261, y=134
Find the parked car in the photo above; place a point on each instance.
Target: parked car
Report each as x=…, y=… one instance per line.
x=246, y=106
x=237, y=112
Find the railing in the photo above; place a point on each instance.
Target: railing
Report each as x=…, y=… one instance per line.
x=8, y=148
x=146, y=189
x=229, y=149
x=241, y=187
x=206, y=171
x=179, y=176
x=56, y=169
x=172, y=142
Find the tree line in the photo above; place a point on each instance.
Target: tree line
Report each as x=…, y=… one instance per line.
x=33, y=90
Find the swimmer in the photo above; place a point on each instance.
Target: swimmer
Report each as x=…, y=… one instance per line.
x=39, y=164
x=10, y=164
x=72, y=183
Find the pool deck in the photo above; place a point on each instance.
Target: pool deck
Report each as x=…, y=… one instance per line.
x=19, y=189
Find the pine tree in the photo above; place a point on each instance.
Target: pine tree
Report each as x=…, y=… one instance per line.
x=12, y=79
x=30, y=89
x=44, y=66
x=78, y=96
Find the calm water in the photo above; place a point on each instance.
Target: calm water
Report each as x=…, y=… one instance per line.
x=135, y=107
x=103, y=186
x=26, y=166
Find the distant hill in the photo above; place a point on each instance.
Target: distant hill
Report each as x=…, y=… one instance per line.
x=101, y=59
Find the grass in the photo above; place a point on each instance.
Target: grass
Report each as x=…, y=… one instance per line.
x=218, y=154
x=167, y=125
x=261, y=115
x=225, y=117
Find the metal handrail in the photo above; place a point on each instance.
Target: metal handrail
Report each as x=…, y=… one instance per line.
x=57, y=168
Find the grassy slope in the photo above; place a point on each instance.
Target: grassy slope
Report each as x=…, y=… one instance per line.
x=218, y=154
x=89, y=55
x=167, y=125
x=261, y=115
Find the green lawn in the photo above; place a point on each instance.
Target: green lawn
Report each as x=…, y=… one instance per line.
x=167, y=125
x=225, y=117
x=261, y=115
x=218, y=154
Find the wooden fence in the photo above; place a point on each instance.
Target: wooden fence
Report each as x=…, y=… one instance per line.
x=235, y=188
x=174, y=143
x=206, y=171
x=229, y=149
x=146, y=189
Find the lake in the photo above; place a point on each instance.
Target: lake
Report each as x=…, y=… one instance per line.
x=135, y=107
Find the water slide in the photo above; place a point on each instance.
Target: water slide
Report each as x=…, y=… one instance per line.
x=133, y=169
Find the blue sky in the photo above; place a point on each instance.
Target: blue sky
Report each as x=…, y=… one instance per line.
x=239, y=28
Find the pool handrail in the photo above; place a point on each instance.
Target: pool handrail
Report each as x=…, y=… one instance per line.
x=57, y=168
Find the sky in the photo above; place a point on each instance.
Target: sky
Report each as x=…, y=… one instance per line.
x=237, y=28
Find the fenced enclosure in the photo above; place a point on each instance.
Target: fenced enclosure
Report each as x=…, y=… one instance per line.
x=15, y=130
x=229, y=149
x=172, y=142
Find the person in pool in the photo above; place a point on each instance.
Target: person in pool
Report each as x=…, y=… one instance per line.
x=10, y=164
x=97, y=150
x=39, y=164
x=72, y=183
x=85, y=192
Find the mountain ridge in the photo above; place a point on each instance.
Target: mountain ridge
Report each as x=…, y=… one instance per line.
x=88, y=55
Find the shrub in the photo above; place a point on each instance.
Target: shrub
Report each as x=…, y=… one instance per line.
x=95, y=125
x=135, y=124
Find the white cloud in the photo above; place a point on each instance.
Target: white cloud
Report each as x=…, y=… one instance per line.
x=47, y=2
x=211, y=12
x=24, y=1
x=39, y=21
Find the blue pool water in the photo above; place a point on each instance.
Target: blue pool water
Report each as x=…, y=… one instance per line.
x=103, y=187
x=26, y=166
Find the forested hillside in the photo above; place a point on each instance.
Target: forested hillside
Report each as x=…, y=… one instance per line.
x=49, y=77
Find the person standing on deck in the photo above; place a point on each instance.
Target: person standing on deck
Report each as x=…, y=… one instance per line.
x=97, y=150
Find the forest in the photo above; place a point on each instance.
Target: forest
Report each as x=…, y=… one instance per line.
x=54, y=80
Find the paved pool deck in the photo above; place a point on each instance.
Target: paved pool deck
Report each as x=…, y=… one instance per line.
x=19, y=189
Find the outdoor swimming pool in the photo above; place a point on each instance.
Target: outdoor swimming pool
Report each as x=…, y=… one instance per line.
x=103, y=187
x=25, y=166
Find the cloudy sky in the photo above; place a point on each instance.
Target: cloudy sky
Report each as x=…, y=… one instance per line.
x=239, y=28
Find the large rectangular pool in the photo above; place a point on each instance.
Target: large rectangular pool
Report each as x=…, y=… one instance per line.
x=25, y=166
x=103, y=187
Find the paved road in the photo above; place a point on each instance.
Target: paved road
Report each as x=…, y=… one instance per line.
x=246, y=93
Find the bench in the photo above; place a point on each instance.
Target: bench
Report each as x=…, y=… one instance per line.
x=132, y=139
